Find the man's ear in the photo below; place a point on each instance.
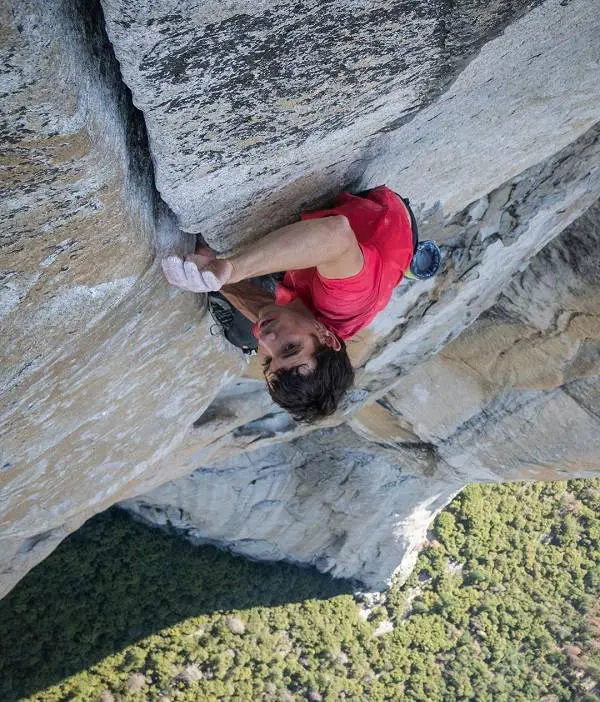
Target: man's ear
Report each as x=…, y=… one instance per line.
x=327, y=337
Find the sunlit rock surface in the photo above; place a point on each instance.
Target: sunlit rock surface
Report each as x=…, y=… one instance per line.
x=97, y=352
x=331, y=499
x=114, y=388
x=77, y=194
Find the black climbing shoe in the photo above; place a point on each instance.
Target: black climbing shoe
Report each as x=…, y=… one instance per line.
x=231, y=323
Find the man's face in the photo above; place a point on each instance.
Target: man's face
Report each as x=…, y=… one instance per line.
x=287, y=338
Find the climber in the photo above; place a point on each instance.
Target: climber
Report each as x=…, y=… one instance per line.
x=341, y=265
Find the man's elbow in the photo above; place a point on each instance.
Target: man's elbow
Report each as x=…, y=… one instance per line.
x=342, y=232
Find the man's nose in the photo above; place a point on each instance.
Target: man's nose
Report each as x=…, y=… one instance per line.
x=268, y=341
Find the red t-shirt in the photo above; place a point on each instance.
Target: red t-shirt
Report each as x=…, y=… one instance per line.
x=382, y=227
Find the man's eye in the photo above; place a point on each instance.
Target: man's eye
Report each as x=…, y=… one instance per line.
x=289, y=348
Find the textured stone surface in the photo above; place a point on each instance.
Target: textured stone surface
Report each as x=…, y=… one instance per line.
x=538, y=350
x=115, y=388
x=543, y=334
x=515, y=397
x=92, y=338
x=487, y=243
x=524, y=97
x=77, y=204
x=487, y=406
x=329, y=499
x=255, y=109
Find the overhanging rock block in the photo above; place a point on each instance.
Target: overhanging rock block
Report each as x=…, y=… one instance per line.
x=255, y=110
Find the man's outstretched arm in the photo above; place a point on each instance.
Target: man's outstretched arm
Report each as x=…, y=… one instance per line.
x=327, y=243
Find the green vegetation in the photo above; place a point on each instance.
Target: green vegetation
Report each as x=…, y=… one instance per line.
x=503, y=605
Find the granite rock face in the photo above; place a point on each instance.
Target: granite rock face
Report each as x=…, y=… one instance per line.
x=114, y=389
x=255, y=110
x=516, y=396
x=77, y=196
x=330, y=499
x=91, y=335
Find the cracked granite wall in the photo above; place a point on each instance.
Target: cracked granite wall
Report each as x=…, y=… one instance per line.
x=74, y=165
x=114, y=389
x=331, y=499
x=517, y=395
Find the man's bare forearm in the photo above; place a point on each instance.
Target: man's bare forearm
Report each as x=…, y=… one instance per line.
x=248, y=298
x=305, y=244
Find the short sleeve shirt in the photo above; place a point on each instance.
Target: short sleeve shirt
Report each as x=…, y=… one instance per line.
x=382, y=226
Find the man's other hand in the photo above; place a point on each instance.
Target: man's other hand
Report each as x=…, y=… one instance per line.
x=197, y=273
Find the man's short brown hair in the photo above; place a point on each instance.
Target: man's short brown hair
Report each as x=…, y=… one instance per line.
x=316, y=395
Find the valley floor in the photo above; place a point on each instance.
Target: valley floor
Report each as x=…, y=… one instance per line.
x=502, y=605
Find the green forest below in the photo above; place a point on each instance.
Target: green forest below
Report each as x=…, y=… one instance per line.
x=502, y=606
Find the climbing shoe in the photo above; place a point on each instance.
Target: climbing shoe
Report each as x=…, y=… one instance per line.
x=231, y=324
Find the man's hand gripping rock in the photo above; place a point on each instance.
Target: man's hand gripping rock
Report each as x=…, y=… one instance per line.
x=200, y=272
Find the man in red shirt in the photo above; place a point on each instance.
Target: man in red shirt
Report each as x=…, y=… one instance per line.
x=342, y=265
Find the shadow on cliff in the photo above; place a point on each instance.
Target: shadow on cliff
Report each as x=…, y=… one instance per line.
x=114, y=582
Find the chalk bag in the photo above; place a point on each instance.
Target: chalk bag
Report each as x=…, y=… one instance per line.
x=426, y=261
